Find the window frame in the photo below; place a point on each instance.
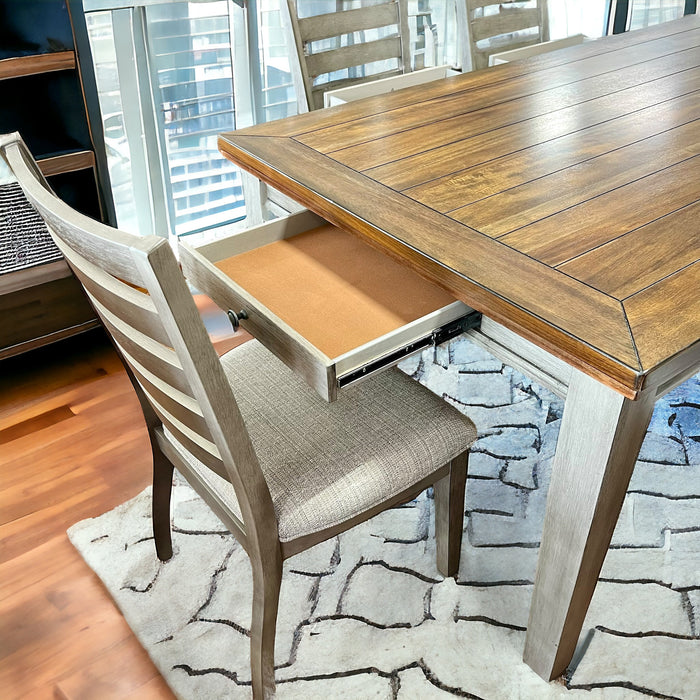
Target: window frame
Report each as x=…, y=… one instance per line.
x=143, y=123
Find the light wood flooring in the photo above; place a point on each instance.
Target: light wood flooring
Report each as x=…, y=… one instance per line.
x=72, y=445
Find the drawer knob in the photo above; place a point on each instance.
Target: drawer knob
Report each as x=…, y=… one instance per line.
x=235, y=318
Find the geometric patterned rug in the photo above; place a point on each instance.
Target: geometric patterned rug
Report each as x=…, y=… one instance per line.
x=367, y=615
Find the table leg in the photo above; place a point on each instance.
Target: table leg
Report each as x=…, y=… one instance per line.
x=599, y=440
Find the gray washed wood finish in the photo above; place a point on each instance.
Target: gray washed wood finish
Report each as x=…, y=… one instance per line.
x=372, y=599
x=336, y=26
x=493, y=30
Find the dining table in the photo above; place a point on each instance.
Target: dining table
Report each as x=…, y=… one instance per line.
x=560, y=197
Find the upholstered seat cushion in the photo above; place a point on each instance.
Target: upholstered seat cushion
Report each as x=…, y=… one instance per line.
x=327, y=462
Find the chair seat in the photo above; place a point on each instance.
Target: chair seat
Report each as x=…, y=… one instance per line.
x=325, y=463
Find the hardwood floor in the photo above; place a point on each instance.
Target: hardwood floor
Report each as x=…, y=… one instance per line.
x=72, y=445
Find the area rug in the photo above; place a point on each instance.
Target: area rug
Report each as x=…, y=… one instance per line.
x=366, y=615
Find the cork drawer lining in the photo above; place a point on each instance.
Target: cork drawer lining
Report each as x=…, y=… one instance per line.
x=333, y=288
x=325, y=301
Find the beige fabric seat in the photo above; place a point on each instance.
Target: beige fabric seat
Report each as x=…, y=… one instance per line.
x=317, y=461
x=282, y=468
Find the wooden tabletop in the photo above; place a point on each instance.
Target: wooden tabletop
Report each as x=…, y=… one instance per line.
x=560, y=195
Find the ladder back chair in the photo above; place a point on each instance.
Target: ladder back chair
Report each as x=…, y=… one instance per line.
x=282, y=468
x=357, y=39
x=488, y=27
x=348, y=61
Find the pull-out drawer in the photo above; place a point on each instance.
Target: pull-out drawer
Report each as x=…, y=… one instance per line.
x=329, y=305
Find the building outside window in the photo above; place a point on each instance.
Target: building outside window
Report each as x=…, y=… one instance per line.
x=644, y=14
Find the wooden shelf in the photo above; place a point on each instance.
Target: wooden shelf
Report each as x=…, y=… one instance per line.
x=44, y=100
x=20, y=66
x=67, y=163
x=18, y=280
x=48, y=338
x=43, y=313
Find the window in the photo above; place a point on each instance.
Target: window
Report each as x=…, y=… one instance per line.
x=568, y=17
x=625, y=15
x=644, y=14
x=171, y=76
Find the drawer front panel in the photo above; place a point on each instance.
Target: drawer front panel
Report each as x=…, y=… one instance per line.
x=294, y=350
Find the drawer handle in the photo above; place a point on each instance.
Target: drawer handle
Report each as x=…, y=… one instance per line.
x=236, y=318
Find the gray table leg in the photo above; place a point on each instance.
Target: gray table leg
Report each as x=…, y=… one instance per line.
x=600, y=437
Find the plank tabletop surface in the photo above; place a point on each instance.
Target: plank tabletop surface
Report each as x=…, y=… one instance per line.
x=559, y=195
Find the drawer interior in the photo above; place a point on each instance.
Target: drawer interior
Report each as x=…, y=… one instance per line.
x=334, y=289
x=330, y=305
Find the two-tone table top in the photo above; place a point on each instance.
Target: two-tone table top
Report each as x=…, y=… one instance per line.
x=560, y=195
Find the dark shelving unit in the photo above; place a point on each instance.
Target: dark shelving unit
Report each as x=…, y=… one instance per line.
x=45, y=100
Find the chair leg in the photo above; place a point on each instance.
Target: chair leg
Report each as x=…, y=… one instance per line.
x=267, y=578
x=160, y=501
x=449, y=515
x=162, y=469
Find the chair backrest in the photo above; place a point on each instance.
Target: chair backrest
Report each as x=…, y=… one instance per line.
x=492, y=26
x=140, y=294
x=343, y=48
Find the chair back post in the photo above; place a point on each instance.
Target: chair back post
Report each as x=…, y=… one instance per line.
x=334, y=25
x=139, y=293
x=544, y=19
x=405, y=36
x=464, y=36
x=290, y=19
x=184, y=326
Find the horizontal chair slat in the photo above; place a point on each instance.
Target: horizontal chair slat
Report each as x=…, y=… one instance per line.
x=506, y=22
x=131, y=306
x=199, y=447
x=334, y=24
x=180, y=405
x=527, y=41
x=347, y=82
x=475, y=4
x=157, y=358
x=355, y=55
x=202, y=484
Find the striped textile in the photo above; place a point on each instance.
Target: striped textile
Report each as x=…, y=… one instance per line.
x=24, y=238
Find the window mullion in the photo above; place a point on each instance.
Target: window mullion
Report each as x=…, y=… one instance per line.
x=242, y=46
x=135, y=119
x=154, y=123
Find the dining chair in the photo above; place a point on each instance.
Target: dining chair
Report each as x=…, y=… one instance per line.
x=490, y=26
x=283, y=469
x=342, y=48
x=349, y=47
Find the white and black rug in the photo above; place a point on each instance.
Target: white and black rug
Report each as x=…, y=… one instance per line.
x=367, y=615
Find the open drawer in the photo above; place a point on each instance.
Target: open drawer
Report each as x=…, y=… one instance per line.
x=329, y=305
